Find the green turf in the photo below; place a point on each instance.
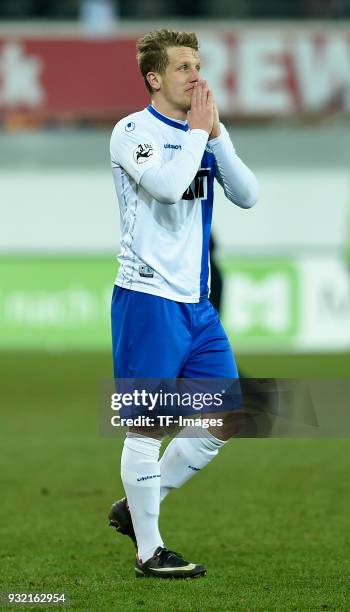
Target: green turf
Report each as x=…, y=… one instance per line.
x=269, y=518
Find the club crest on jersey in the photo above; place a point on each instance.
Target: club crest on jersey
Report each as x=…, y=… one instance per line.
x=143, y=153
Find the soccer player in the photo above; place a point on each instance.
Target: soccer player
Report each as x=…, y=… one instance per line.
x=164, y=161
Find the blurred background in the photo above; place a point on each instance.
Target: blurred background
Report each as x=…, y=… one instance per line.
x=280, y=71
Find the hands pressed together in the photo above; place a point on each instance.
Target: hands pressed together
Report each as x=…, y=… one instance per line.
x=203, y=113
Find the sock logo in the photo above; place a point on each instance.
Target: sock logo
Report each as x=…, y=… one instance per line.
x=193, y=468
x=148, y=477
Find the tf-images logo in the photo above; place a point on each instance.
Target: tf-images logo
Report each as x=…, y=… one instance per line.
x=143, y=153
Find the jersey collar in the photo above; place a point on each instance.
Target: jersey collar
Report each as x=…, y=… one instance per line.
x=166, y=120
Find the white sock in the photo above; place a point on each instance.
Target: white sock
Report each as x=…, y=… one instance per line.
x=186, y=454
x=141, y=479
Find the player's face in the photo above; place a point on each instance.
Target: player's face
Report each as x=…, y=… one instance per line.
x=181, y=73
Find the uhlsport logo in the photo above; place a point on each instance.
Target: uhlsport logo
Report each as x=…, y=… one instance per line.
x=172, y=146
x=130, y=126
x=148, y=477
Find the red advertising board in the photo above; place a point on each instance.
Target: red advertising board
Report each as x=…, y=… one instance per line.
x=79, y=76
x=253, y=72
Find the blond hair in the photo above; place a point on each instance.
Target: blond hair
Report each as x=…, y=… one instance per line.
x=152, y=48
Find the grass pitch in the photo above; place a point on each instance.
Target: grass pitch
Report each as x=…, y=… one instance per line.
x=269, y=517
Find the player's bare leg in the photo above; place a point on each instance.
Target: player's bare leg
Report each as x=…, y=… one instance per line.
x=231, y=424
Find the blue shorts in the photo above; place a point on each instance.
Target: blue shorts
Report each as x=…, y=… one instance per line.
x=154, y=337
x=163, y=345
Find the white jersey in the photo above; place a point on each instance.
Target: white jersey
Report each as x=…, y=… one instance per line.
x=164, y=174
